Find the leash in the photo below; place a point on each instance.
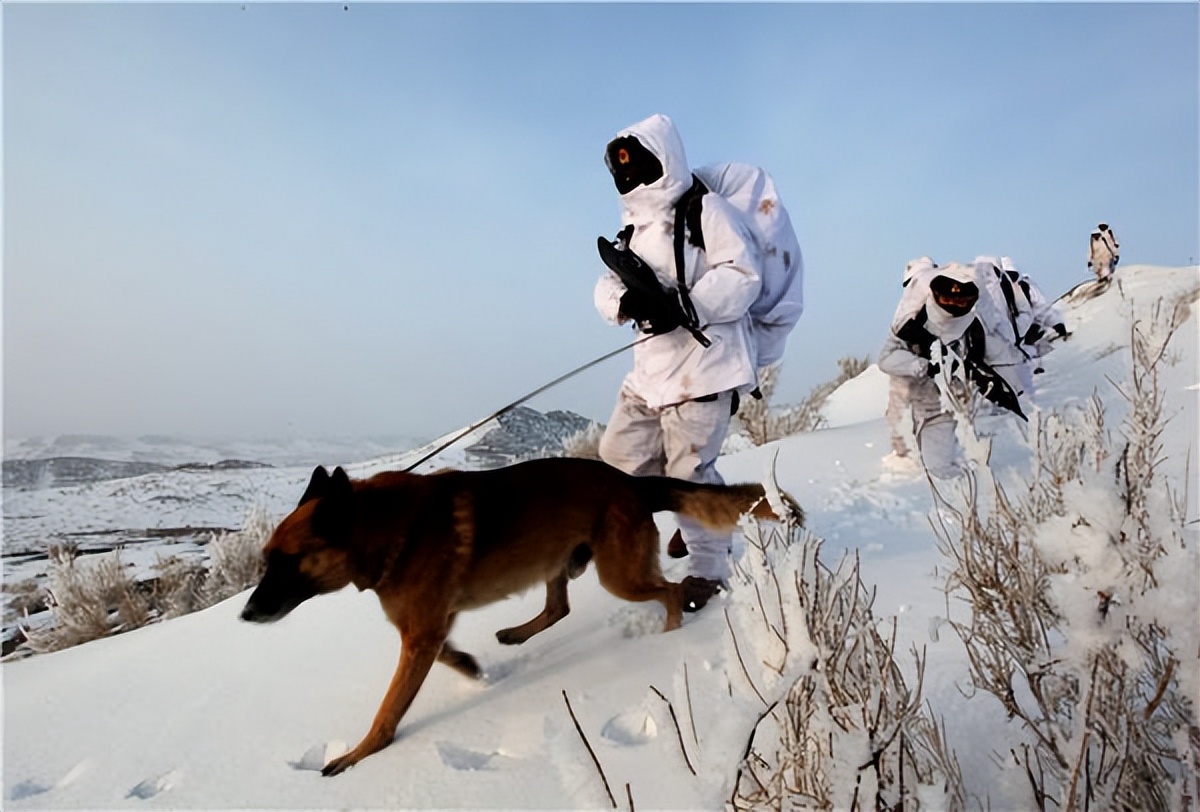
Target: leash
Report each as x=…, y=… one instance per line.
x=522, y=399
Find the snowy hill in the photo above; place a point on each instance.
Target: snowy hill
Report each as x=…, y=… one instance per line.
x=206, y=712
x=522, y=433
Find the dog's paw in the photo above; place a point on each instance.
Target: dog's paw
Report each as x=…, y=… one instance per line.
x=339, y=765
x=511, y=637
x=463, y=663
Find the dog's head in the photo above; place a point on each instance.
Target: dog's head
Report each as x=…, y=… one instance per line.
x=307, y=554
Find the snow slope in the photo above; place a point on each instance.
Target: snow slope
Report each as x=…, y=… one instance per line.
x=206, y=712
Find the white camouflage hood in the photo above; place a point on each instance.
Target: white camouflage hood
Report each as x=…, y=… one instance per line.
x=940, y=323
x=656, y=201
x=916, y=266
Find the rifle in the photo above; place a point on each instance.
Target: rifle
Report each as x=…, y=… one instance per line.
x=989, y=382
x=636, y=275
x=993, y=387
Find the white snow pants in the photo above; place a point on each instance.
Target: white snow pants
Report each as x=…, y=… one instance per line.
x=897, y=405
x=932, y=425
x=681, y=441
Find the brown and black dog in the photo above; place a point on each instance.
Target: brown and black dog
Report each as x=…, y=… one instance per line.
x=434, y=545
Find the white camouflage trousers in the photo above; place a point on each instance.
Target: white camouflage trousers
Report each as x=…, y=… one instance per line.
x=681, y=441
x=932, y=426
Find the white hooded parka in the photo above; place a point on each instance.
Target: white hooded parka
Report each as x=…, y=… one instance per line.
x=723, y=280
x=898, y=358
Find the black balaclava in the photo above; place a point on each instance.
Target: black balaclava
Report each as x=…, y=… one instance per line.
x=631, y=164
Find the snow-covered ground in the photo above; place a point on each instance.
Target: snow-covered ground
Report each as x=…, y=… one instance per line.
x=207, y=712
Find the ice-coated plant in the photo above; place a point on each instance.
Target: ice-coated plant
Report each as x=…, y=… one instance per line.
x=88, y=600
x=760, y=422
x=95, y=596
x=1067, y=584
x=841, y=729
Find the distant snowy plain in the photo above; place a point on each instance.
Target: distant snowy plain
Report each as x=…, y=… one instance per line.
x=206, y=712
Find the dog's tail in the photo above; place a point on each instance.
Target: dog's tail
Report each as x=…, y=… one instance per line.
x=717, y=506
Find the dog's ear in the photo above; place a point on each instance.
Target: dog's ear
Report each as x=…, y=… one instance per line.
x=332, y=515
x=317, y=485
x=339, y=482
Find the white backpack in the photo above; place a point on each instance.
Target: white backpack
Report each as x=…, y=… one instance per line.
x=751, y=191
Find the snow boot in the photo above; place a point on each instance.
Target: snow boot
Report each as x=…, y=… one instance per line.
x=697, y=592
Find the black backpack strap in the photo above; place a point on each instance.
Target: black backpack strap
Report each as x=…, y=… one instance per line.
x=1010, y=299
x=687, y=218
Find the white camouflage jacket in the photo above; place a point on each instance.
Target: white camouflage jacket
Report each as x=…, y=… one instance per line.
x=896, y=356
x=723, y=280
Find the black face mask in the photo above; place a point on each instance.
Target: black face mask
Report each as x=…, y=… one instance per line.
x=631, y=164
x=956, y=298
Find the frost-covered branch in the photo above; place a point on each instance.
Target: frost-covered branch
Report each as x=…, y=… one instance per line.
x=1073, y=590
x=760, y=422
x=841, y=728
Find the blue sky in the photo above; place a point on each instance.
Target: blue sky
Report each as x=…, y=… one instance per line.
x=326, y=219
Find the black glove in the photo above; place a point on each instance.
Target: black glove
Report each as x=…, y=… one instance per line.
x=655, y=314
x=1033, y=334
x=933, y=369
x=1061, y=329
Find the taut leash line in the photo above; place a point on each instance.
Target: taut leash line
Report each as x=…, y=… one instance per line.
x=524, y=398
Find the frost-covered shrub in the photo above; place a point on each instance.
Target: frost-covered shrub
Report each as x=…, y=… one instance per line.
x=88, y=600
x=235, y=559
x=24, y=597
x=760, y=423
x=177, y=585
x=840, y=729
x=584, y=443
x=97, y=596
x=1074, y=589
x=234, y=563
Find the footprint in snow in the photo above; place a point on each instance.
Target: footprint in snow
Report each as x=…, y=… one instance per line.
x=27, y=789
x=317, y=756
x=501, y=670
x=30, y=787
x=639, y=620
x=153, y=786
x=462, y=758
x=630, y=728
